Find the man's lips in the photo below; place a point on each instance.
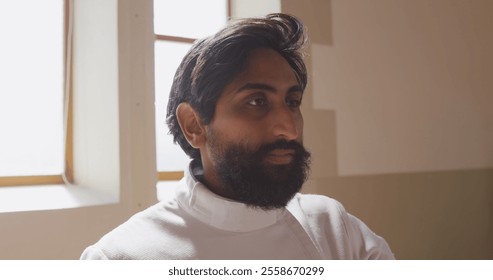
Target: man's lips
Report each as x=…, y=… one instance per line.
x=280, y=156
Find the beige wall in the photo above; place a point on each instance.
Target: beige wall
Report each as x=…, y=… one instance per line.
x=398, y=117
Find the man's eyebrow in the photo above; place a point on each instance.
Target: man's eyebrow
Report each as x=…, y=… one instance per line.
x=260, y=86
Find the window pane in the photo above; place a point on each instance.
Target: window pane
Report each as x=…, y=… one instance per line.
x=189, y=18
x=168, y=55
x=31, y=87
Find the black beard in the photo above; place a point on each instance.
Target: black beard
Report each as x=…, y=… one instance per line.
x=246, y=178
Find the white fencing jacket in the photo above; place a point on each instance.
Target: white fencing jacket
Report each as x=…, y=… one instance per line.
x=191, y=222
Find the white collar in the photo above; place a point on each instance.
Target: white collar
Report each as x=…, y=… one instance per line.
x=221, y=212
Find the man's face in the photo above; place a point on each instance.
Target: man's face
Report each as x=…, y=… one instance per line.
x=253, y=151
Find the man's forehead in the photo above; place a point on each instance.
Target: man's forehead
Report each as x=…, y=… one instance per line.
x=266, y=69
x=296, y=88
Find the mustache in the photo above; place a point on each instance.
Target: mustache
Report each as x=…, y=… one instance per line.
x=282, y=145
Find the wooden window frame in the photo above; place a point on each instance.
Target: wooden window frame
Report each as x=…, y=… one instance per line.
x=67, y=176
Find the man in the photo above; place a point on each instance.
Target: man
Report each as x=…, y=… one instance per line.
x=234, y=108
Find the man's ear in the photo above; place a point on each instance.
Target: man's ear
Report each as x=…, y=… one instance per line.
x=190, y=125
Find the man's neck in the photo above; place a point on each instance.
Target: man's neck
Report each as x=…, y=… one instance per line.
x=208, y=178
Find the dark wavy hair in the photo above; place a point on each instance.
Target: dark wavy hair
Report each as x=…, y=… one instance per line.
x=214, y=62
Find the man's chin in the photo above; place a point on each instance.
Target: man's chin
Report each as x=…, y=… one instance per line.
x=278, y=172
x=269, y=202
x=273, y=193
x=267, y=178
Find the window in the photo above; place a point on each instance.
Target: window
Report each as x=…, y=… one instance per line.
x=177, y=24
x=32, y=92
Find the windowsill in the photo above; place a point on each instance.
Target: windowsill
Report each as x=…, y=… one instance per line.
x=50, y=197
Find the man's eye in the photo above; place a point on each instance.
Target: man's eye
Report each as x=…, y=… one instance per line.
x=294, y=103
x=258, y=102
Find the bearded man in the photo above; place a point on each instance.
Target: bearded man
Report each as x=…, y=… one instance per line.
x=234, y=108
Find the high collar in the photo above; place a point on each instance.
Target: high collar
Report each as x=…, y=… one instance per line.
x=221, y=212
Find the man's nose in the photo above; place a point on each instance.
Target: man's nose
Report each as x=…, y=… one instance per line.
x=286, y=124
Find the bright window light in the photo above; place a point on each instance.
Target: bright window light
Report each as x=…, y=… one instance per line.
x=189, y=18
x=31, y=87
x=168, y=55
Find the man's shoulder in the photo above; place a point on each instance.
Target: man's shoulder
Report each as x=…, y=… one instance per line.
x=135, y=238
x=129, y=232
x=139, y=222
x=333, y=227
x=318, y=204
x=314, y=210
